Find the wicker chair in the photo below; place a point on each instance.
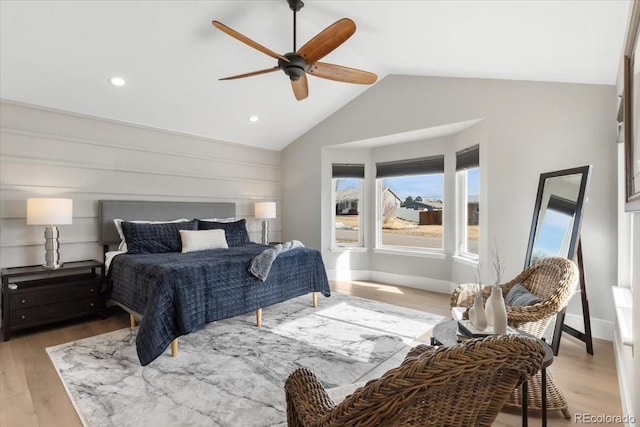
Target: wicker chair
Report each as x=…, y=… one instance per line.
x=554, y=281
x=464, y=385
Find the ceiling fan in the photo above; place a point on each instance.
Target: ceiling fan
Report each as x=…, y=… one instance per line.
x=301, y=61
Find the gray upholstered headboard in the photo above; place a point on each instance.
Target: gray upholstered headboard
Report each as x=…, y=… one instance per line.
x=131, y=210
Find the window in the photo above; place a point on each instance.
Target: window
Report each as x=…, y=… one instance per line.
x=468, y=201
x=411, y=203
x=347, y=196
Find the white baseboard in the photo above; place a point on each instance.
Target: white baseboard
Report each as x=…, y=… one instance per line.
x=600, y=328
x=347, y=275
x=418, y=282
x=424, y=283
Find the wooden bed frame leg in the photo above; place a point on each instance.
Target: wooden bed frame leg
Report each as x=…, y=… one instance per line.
x=132, y=321
x=259, y=317
x=174, y=348
x=315, y=299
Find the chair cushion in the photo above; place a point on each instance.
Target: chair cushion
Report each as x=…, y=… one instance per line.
x=518, y=295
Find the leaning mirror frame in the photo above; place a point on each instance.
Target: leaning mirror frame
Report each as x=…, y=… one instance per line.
x=564, y=206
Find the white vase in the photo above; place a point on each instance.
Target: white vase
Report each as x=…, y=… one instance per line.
x=497, y=311
x=477, y=314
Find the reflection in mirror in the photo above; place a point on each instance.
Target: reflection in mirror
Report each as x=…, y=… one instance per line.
x=556, y=220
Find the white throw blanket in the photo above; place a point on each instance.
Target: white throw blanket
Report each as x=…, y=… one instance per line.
x=261, y=263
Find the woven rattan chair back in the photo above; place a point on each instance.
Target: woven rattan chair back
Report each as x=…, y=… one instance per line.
x=554, y=281
x=464, y=385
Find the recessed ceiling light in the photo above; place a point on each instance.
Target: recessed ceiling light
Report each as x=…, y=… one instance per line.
x=117, y=81
x=253, y=119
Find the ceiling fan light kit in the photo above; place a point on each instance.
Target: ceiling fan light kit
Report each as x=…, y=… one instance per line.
x=297, y=64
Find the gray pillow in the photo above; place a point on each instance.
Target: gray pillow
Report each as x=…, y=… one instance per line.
x=518, y=295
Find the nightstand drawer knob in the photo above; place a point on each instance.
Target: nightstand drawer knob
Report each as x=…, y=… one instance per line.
x=91, y=290
x=91, y=305
x=23, y=317
x=22, y=301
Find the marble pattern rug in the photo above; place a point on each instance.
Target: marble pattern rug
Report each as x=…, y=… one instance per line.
x=231, y=373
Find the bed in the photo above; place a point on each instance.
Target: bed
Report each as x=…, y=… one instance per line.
x=173, y=293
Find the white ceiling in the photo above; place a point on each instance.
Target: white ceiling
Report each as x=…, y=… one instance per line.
x=60, y=54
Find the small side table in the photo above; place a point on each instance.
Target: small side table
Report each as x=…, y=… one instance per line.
x=34, y=295
x=446, y=333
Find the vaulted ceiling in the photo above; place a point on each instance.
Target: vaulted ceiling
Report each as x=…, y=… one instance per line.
x=61, y=54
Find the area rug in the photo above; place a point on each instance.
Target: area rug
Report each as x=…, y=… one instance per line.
x=231, y=373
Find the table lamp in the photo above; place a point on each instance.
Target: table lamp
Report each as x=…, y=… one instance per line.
x=50, y=212
x=265, y=211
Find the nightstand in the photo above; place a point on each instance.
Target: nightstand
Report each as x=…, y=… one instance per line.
x=35, y=295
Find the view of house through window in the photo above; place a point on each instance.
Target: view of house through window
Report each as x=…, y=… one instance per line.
x=411, y=202
x=347, y=192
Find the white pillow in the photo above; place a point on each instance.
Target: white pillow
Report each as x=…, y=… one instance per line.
x=201, y=240
x=118, y=224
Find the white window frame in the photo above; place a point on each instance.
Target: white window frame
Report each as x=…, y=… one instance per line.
x=361, y=205
x=462, y=201
x=406, y=250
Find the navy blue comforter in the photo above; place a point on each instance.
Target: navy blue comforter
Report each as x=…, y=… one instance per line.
x=178, y=293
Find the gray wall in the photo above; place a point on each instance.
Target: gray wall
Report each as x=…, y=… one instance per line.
x=531, y=128
x=47, y=153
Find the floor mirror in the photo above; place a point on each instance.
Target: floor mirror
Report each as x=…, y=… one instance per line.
x=555, y=231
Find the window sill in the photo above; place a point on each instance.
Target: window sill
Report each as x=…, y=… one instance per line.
x=347, y=249
x=411, y=252
x=622, y=298
x=471, y=262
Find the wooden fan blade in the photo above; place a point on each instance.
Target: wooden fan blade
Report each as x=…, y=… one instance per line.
x=300, y=87
x=342, y=74
x=253, y=73
x=246, y=40
x=327, y=40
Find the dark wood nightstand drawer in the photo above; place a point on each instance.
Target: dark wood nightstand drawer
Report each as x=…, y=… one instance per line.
x=33, y=295
x=46, y=313
x=54, y=294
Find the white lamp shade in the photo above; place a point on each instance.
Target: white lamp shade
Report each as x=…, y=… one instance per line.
x=265, y=210
x=46, y=211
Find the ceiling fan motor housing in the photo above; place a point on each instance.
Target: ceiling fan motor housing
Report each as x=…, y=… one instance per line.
x=295, y=5
x=296, y=66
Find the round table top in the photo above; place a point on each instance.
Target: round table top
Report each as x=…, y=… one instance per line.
x=446, y=333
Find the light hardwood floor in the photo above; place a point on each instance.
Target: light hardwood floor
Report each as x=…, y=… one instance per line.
x=31, y=394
